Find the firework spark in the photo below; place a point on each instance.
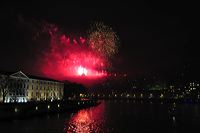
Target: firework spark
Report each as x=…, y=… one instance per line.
x=78, y=59
x=71, y=59
x=103, y=39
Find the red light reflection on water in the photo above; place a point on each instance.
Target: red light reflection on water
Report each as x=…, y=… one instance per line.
x=86, y=120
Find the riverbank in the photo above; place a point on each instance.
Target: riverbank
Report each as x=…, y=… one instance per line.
x=156, y=100
x=23, y=110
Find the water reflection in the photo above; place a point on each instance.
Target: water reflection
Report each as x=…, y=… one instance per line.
x=86, y=120
x=114, y=117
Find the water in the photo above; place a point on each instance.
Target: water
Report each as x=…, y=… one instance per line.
x=114, y=117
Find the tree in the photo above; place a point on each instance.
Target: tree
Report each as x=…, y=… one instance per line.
x=4, y=86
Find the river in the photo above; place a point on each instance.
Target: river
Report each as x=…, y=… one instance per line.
x=113, y=117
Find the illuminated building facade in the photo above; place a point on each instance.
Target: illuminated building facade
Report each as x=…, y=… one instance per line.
x=23, y=88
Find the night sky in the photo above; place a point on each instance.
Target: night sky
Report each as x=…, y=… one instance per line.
x=155, y=38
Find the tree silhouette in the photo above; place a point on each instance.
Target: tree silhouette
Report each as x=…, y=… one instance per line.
x=4, y=86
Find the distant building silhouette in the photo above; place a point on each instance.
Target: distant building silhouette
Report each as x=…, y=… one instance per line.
x=23, y=88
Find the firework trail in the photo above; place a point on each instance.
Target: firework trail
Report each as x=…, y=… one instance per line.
x=79, y=58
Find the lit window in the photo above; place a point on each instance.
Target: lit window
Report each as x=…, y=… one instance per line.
x=16, y=110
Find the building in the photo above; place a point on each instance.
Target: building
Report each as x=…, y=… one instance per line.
x=23, y=88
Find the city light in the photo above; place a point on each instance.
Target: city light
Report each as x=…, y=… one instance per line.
x=16, y=110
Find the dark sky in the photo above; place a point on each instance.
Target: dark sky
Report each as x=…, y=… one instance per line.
x=155, y=38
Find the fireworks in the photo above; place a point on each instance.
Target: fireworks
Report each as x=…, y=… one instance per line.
x=103, y=39
x=75, y=59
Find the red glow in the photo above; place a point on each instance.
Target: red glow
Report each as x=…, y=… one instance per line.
x=75, y=42
x=82, y=40
x=71, y=60
x=86, y=121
